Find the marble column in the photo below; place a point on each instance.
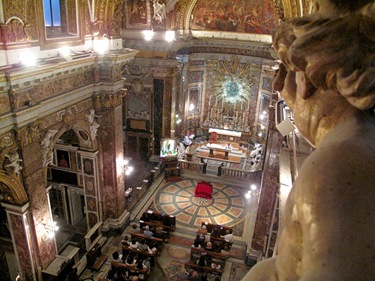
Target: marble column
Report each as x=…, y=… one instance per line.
x=23, y=243
x=111, y=194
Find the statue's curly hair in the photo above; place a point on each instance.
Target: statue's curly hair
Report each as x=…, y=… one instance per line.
x=336, y=54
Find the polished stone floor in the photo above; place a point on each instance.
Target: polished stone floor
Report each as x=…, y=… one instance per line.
x=227, y=207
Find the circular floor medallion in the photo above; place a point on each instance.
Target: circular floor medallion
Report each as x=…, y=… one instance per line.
x=227, y=206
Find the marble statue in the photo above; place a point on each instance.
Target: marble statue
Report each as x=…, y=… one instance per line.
x=94, y=125
x=327, y=78
x=14, y=162
x=159, y=11
x=46, y=147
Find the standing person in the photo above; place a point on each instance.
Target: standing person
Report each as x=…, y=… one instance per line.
x=204, y=168
x=219, y=169
x=327, y=79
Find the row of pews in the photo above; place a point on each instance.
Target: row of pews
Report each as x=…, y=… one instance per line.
x=214, y=259
x=161, y=225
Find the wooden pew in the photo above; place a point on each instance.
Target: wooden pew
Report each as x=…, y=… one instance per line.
x=167, y=220
x=141, y=253
x=195, y=253
x=158, y=242
x=125, y=266
x=95, y=258
x=223, y=228
x=207, y=269
x=153, y=225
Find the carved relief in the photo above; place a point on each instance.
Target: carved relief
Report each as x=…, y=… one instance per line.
x=70, y=116
x=28, y=134
x=5, y=140
x=109, y=100
x=52, y=87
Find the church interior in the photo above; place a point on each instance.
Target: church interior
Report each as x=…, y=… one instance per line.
x=123, y=112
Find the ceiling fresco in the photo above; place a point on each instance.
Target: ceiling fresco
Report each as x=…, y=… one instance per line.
x=256, y=16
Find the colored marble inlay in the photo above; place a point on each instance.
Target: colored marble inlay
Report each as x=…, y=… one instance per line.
x=226, y=206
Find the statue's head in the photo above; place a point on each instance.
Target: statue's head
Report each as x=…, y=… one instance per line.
x=328, y=60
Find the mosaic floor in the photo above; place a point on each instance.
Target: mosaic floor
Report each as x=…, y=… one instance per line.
x=227, y=206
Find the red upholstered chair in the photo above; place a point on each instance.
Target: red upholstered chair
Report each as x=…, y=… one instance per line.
x=213, y=136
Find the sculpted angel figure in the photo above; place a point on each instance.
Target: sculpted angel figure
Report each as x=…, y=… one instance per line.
x=94, y=125
x=159, y=11
x=46, y=147
x=327, y=78
x=14, y=162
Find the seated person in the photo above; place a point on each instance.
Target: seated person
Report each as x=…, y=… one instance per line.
x=125, y=241
x=152, y=248
x=134, y=243
x=216, y=232
x=145, y=217
x=147, y=231
x=197, y=242
x=202, y=261
x=142, y=245
x=130, y=260
x=116, y=256
x=136, y=228
x=160, y=233
x=202, y=230
x=228, y=237
x=194, y=276
x=209, y=246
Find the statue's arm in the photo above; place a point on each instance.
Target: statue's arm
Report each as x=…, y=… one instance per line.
x=335, y=195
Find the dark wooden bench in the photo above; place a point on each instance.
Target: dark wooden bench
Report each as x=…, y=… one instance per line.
x=158, y=242
x=125, y=266
x=223, y=228
x=95, y=258
x=165, y=219
x=99, y=262
x=153, y=225
x=197, y=252
x=141, y=253
x=207, y=269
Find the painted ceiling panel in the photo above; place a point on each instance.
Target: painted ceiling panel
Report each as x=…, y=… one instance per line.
x=255, y=16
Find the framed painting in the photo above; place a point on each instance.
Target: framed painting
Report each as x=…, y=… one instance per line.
x=194, y=100
x=63, y=158
x=138, y=14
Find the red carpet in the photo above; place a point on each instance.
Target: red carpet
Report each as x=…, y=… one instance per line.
x=203, y=190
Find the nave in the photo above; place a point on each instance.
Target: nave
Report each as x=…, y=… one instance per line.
x=228, y=207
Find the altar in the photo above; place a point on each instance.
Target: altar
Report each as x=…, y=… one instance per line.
x=221, y=151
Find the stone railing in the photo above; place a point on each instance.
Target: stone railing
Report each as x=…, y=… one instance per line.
x=239, y=174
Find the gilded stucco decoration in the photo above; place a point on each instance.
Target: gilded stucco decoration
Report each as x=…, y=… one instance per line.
x=233, y=81
x=12, y=189
x=109, y=100
x=28, y=134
